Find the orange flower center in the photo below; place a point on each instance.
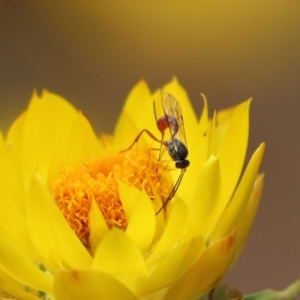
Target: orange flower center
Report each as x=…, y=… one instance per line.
x=76, y=187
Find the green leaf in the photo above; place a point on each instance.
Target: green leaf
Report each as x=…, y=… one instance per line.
x=289, y=293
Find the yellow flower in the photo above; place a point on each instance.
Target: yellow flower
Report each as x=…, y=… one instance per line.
x=79, y=216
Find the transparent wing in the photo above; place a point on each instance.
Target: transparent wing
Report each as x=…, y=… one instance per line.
x=173, y=113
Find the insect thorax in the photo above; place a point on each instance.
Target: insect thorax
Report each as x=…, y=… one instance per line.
x=177, y=150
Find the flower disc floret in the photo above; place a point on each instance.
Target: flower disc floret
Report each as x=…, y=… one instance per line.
x=97, y=180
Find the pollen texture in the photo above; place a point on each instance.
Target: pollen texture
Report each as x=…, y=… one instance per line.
x=76, y=187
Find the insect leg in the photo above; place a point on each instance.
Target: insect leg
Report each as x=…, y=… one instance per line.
x=138, y=137
x=174, y=189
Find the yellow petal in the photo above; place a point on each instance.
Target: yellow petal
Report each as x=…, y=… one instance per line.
x=211, y=135
x=234, y=211
x=21, y=267
x=139, y=106
x=223, y=119
x=125, y=134
x=197, y=158
x=247, y=219
x=98, y=226
x=117, y=255
x=137, y=115
x=48, y=122
x=79, y=285
x=10, y=183
x=173, y=231
x=172, y=266
x=202, y=153
x=205, y=273
x=13, y=287
x=205, y=208
x=233, y=146
x=14, y=141
x=12, y=202
x=82, y=143
x=139, y=213
x=50, y=232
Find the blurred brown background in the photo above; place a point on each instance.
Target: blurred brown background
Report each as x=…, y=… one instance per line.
x=94, y=52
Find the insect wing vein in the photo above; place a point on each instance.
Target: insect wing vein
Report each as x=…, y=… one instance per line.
x=172, y=108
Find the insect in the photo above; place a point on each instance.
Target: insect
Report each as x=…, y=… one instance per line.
x=176, y=145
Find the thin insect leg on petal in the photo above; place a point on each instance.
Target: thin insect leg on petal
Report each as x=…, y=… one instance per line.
x=138, y=137
x=174, y=189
